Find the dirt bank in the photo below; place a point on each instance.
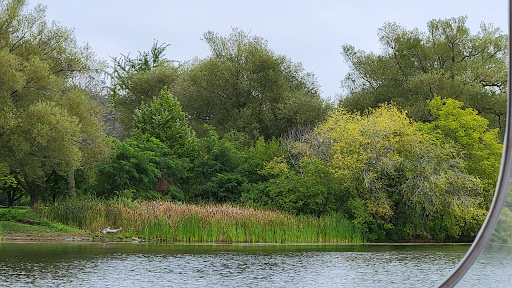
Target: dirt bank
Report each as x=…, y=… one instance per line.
x=45, y=238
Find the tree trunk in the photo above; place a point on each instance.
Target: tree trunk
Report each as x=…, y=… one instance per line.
x=10, y=201
x=34, y=191
x=33, y=188
x=71, y=181
x=13, y=195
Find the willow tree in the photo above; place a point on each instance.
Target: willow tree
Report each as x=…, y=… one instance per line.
x=48, y=122
x=245, y=86
x=414, y=66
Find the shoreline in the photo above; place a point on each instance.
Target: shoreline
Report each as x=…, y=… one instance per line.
x=47, y=238
x=74, y=238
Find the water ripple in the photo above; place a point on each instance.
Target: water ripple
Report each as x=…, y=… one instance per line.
x=232, y=268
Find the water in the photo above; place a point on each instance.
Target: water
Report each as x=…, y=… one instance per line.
x=145, y=265
x=493, y=268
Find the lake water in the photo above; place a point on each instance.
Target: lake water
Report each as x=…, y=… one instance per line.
x=159, y=265
x=152, y=265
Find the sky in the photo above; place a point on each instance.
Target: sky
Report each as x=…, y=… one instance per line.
x=310, y=32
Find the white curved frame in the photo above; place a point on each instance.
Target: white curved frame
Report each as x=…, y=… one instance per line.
x=502, y=187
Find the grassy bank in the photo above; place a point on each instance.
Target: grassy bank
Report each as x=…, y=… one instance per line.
x=167, y=221
x=21, y=223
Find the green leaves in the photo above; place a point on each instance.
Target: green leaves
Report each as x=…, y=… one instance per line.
x=137, y=165
x=45, y=139
x=310, y=189
x=48, y=123
x=399, y=173
x=137, y=80
x=218, y=169
x=164, y=120
x=469, y=132
x=245, y=86
x=415, y=66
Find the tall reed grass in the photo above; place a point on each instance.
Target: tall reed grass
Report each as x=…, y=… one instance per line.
x=168, y=221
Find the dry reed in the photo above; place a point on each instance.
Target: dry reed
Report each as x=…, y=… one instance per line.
x=169, y=221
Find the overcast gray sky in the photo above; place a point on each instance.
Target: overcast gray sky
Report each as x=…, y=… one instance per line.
x=310, y=32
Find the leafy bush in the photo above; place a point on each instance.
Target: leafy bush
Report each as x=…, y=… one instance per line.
x=218, y=170
x=137, y=165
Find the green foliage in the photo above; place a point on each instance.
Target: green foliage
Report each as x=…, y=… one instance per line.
x=400, y=180
x=9, y=225
x=164, y=120
x=13, y=214
x=258, y=155
x=48, y=122
x=56, y=188
x=415, y=66
x=54, y=135
x=290, y=181
x=76, y=212
x=138, y=80
x=244, y=86
x=225, y=187
x=131, y=166
x=469, y=132
x=308, y=189
x=392, y=177
x=217, y=169
x=144, y=166
x=10, y=187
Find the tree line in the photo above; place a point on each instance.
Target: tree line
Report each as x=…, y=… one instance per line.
x=412, y=151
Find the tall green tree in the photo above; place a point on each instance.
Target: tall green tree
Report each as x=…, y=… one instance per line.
x=137, y=80
x=245, y=86
x=164, y=120
x=48, y=123
x=414, y=66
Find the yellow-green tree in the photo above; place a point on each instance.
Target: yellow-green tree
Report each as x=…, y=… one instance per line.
x=401, y=182
x=471, y=136
x=48, y=123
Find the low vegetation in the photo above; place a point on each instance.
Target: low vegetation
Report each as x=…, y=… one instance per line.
x=23, y=223
x=168, y=221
